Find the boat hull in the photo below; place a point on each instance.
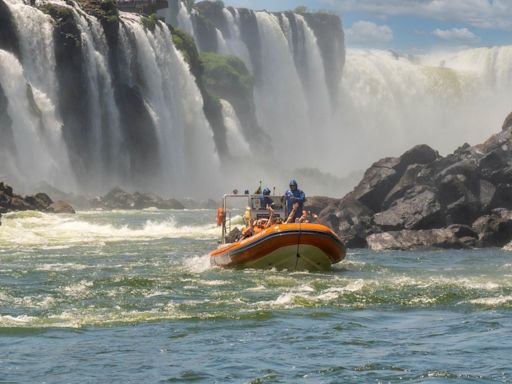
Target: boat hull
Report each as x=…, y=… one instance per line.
x=289, y=246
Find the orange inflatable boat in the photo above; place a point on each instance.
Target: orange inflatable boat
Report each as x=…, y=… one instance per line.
x=297, y=246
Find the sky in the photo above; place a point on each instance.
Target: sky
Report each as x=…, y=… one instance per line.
x=412, y=26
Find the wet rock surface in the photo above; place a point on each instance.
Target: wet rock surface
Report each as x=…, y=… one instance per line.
x=9, y=201
x=422, y=199
x=117, y=198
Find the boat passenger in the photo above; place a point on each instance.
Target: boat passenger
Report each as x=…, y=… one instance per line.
x=248, y=231
x=266, y=200
x=291, y=216
x=295, y=195
x=271, y=218
x=304, y=218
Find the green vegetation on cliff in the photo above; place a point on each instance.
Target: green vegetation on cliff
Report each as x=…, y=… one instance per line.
x=105, y=10
x=212, y=106
x=150, y=22
x=186, y=45
x=226, y=74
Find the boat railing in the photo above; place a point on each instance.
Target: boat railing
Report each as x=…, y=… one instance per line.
x=252, y=209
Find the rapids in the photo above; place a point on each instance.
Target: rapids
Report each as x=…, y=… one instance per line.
x=125, y=295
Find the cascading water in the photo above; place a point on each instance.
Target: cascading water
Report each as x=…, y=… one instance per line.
x=234, y=44
x=186, y=144
x=32, y=157
x=290, y=90
x=235, y=139
x=39, y=153
x=139, y=115
x=440, y=101
x=95, y=136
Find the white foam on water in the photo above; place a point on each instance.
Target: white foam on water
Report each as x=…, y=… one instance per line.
x=62, y=267
x=79, y=289
x=198, y=264
x=40, y=229
x=491, y=301
x=16, y=321
x=214, y=282
x=259, y=288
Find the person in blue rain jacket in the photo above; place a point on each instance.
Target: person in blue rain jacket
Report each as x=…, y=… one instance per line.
x=294, y=195
x=266, y=200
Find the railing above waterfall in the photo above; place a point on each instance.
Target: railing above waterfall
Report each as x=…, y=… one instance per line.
x=142, y=6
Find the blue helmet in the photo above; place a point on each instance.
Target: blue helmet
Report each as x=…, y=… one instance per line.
x=266, y=191
x=293, y=182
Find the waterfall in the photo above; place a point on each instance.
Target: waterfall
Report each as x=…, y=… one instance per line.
x=281, y=105
x=107, y=158
x=186, y=141
x=290, y=91
x=440, y=100
x=185, y=19
x=234, y=43
x=33, y=157
x=89, y=127
x=37, y=135
x=236, y=142
x=86, y=107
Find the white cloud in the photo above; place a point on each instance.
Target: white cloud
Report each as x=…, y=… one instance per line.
x=462, y=35
x=490, y=14
x=368, y=32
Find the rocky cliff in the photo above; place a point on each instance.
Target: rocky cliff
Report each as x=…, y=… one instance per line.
x=422, y=199
x=10, y=201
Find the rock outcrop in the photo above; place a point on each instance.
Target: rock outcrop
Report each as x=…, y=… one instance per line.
x=422, y=199
x=117, y=198
x=9, y=201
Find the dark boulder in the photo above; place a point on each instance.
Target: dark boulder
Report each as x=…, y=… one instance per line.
x=377, y=182
x=408, y=239
x=18, y=204
x=60, y=206
x=413, y=176
x=317, y=204
x=39, y=201
x=149, y=200
x=502, y=197
x=417, y=209
x=420, y=154
x=507, y=123
x=118, y=199
x=461, y=205
x=6, y=189
x=495, y=229
x=351, y=219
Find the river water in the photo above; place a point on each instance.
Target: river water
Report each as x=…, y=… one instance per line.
x=129, y=297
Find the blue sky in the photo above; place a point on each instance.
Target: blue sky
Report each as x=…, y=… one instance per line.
x=411, y=25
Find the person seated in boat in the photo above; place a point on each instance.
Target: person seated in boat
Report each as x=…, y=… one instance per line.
x=317, y=219
x=304, y=218
x=292, y=196
x=248, y=231
x=266, y=200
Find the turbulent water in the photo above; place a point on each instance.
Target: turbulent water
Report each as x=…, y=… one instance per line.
x=130, y=296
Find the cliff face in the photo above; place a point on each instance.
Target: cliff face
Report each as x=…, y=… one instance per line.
x=212, y=107
x=8, y=34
